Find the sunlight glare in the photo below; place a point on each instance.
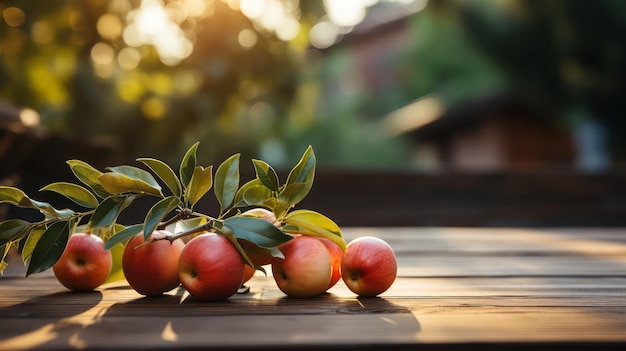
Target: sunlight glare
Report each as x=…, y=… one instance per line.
x=323, y=34
x=252, y=8
x=150, y=24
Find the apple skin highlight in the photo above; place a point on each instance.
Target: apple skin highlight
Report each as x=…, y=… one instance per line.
x=368, y=266
x=152, y=269
x=306, y=270
x=211, y=268
x=84, y=264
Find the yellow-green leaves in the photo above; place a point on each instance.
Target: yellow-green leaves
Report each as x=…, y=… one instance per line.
x=15, y=197
x=129, y=179
x=188, y=165
x=227, y=182
x=89, y=176
x=76, y=193
x=312, y=223
x=163, y=171
x=200, y=183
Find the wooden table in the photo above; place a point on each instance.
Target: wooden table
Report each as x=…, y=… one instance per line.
x=458, y=288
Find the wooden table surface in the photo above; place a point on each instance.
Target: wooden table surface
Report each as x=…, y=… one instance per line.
x=457, y=289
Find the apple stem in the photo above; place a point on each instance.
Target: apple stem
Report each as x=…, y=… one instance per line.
x=203, y=228
x=182, y=214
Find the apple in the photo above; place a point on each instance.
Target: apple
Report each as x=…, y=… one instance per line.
x=306, y=269
x=335, y=258
x=84, y=264
x=262, y=213
x=258, y=255
x=368, y=267
x=152, y=269
x=248, y=272
x=211, y=268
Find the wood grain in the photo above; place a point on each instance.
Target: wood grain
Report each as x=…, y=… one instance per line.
x=457, y=289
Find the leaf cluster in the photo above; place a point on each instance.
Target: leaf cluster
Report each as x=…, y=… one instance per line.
x=102, y=196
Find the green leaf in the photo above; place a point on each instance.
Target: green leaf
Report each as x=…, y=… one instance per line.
x=4, y=249
x=89, y=176
x=303, y=172
x=15, y=197
x=157, y=213
x=257, y=231
x=122, y=235
x=188, y=165
x=266, y=174
x=316, y=224
x=227, y=182
x=292, y=194
x=106, y=213
x=239, y=198
x=123, y=179
x=200, y=183
x=51, y=212
x=76, y=193
x=50, y=247
x=259, y=195
x=186, y=224
x=228, y=233
x=31, y=242
x=167, y=175
x=12, y=229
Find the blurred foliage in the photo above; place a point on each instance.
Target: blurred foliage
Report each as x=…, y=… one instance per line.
x=272, y=99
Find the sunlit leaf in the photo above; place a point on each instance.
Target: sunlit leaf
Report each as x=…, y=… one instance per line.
x=15, y=196
x=304, y=172
x=186, y=224
x=188, y=165
x=259, y=195
x=266, y=174
x=76, y=193
x=167, y=175
x=31, y=242
x=123, y=179
x=117, y=273
x=239, y=198
x=89, y=176
x=316, y=224
x=257, y=231
x=157, y=213
x=227, y=182
x=122, y=235
x=12, y=229
x=50, y=247
x=200, y=183
x=292, y=194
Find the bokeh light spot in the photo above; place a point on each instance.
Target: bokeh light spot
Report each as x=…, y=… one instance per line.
x=153, y=108
x=247, y=38
x=109, y=26
x=14, y=16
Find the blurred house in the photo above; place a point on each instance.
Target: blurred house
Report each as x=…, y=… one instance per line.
x=494, y=133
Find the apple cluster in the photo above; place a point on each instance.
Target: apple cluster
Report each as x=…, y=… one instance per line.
x=211, y=256
x=210, y=268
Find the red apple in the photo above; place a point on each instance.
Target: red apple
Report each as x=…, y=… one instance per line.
x=248, y=272
x=368, y=266
x=211, y=268
x=151, y=269
x=306, y=269
x=335, y=258
x=84, y=264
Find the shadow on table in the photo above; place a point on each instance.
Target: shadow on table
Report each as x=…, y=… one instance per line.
x=54, y=318
x=250, y=321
